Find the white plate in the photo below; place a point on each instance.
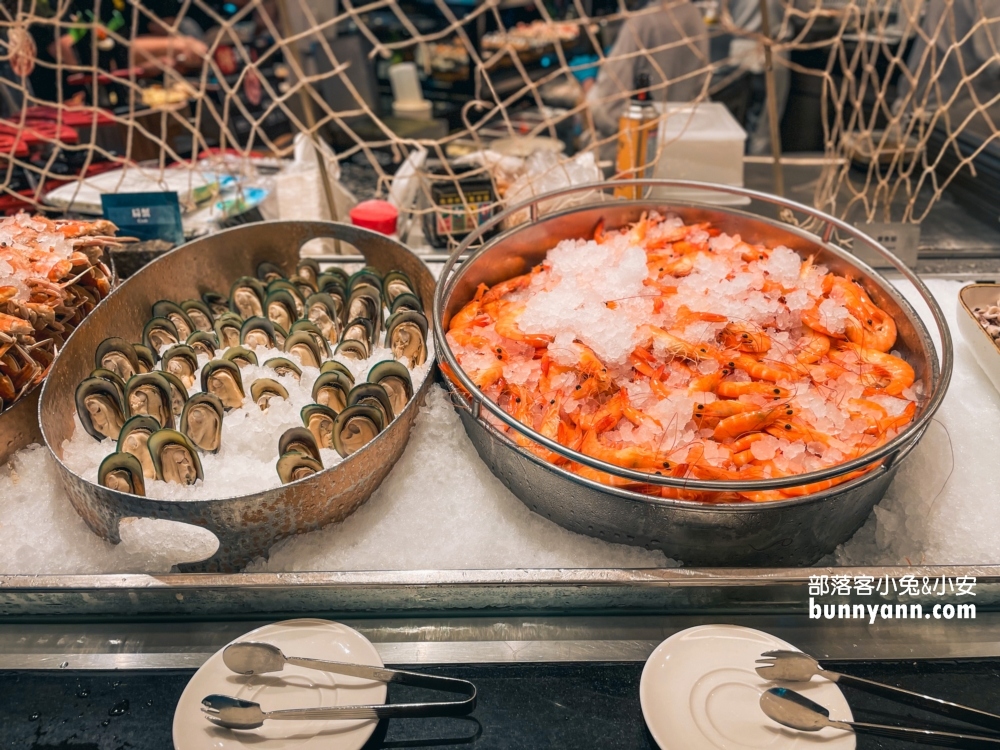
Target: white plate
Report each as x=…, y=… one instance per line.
x=293, y=687
x=699, y=691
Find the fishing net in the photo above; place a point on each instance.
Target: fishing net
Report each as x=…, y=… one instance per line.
x=900, y=98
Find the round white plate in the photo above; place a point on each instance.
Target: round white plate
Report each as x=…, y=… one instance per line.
x=699, y=691
x=293, y=687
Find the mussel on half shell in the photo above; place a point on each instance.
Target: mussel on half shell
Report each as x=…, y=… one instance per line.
x=160, y=332
x=149, y=393
x=319, y=420
x=204, y=342
x=242, y=356
x=333, y=276
x=366, y=302
x=293, y=466
x=280, y=308
x=227, y=329
x=175, y=458
x=298, y=440
x=308, y=270
x=406, y=301
x=294, y=291
x=202, y=422
x=200, y=315
x=222, y=378
x=394, y=377
x=102, y=412
x=182, y=361
x=133, y=438
x=355, y=427
x=263, y=390
x=396, y=283
x=331, y=389
x=146, y=356
x=178, y=392
x=353, y=349
x=176, y=315
x=112, y=378
x=335, y=366
x=321, y=309
x=284, y=366
x=246, y=297
x=122, y=472
x=373, y=395
x=215, y=302
x=406, y=336
x=257, y=332
x=268, y=272
x=302, y=345
x=118, y=355
x=322, y=345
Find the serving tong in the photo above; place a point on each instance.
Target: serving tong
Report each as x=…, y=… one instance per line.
x=794, y=666
x=252, y=658
x=792, y=709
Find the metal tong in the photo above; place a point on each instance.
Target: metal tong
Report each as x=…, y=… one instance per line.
x=262, y=658
x=794, y=710
x=794, y=666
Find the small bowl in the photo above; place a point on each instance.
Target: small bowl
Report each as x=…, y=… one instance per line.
x=984, y=348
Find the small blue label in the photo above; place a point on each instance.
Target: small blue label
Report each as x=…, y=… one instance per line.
x=148, y=216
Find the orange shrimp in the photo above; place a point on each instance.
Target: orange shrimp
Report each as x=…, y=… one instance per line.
x=686, y=315
x=599, y=237
x=811, y=347
x=723, y=408
x=771, y=371
x=470, y=313
x=606, y=417
x=898, y=373
x=751, y=421
x=675, y=345
x=745, y=337
x=706, y=383
x=872, y=328
x=15, y=326
x=630, y=457
x=731, y=389
x=487, y=376
x=678, y=267
x=506, y=326
x=498, y=291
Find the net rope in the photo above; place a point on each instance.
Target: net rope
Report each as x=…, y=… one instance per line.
x=900, y=97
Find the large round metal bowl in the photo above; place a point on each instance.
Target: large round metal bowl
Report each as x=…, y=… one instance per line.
x=245, y=525
x=796, y=531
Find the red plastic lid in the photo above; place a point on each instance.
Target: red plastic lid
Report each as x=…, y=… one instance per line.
x=379, y=216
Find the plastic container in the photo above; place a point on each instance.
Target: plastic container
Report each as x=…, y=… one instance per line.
x=701, y=142
x=418, y=110
x=379, y=216
x=405, y=83
x=984, y=348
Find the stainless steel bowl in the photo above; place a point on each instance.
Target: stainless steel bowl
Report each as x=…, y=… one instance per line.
x=796, y=531
x=245, y=525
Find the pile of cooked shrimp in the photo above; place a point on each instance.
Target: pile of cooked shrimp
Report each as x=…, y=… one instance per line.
x=51, y=276
x=719, y=359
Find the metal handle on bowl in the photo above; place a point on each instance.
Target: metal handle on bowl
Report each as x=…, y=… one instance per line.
x=886, y=453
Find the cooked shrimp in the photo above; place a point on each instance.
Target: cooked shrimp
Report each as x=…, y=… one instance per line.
x=751, y=421
x=898, y=373
x=690, y=389
x=744, y=337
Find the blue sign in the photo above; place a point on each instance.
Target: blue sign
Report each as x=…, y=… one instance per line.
x=148, y=216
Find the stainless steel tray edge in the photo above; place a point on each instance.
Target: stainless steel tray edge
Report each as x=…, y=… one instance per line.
x=383, y=593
